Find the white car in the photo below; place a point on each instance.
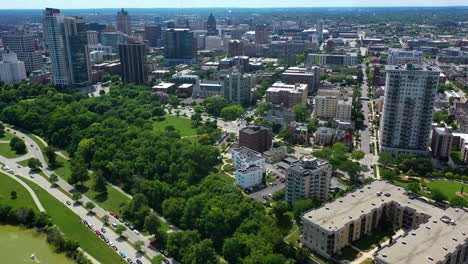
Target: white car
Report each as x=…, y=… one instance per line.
x=114, y=225
x=136, y=232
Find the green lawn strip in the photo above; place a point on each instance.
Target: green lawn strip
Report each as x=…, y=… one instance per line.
x=58, y=187
x=24, y=163
x=345, y=182
x=23, y=198
x=180, y=123
x=71, y=226
x=64, y=170
x=347, y=253
x=6, y=151
x=449, y=188
x=7, y=136
x=370, y=241
x=292, y=238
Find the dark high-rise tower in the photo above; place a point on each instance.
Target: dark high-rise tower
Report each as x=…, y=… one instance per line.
x=123, y=21
x=133, y=63
x=179, y=46
x=153, y=35
x=211, y=26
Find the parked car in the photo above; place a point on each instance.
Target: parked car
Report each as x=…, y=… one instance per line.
x=136, y=232
x=115, y=248
x=114, y=225
x=103, y=230
x=116, y=216
x=166, y=261
x=139, y=261
x=97, y=232
x=68, y=203
x=111, y=213
x=130, y=260
x=123, y=255
x=85, y=222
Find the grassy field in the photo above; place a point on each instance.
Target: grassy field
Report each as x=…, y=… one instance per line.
x=7, y=136
x=6, y=151
x=71, y=225
x=448, y=187
x=19, y=243
x=64, y=170
x=180, y=123
x=23, y=198
x=292, y=239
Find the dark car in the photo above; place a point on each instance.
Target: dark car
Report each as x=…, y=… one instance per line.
x=115, y=248
x=139, y=261
x=103, y=230
x=85, y=222
x=166, y=261
x=130, y=260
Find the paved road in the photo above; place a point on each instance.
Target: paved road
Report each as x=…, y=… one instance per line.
x=366, y=139
x=79, y=210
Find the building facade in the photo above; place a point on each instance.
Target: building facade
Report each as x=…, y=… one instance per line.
x=237, y=87
x=67, y=42
x=308, y=178
x=153, y=34
x=309, y=76
x=396, y=57
x=333, y=108
x=113, y=39
x=235, y=48
x=93, y=37
x=23, y=44
x=11, y=70
x=408, y=107
x=133, y=63
x=180, y=46
x=287, y=95
x=261, y=34
x=124, y=22
x=211, y=26
x=258, y=138
x=250, y=167
x=349, y=59
x=441, y=142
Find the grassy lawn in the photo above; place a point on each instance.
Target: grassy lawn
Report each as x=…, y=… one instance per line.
x=180, y=123
x=367, y=261
x=24, y=163
x=6, y=151
x=448, y=187
x=111, y=200
x=64, y=170
x=7, y=136
x=292, y=239
x=370, y=241
x=71, y=225
x=347, y=253
x=23, y=198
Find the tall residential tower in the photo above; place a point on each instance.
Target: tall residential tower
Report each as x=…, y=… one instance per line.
x=23, y=44
x=67, y=43
x=408, y=107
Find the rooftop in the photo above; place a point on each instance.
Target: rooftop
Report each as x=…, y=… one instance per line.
x=412, y=67
x=163, y=85
x=430, y=242
x=247, y=154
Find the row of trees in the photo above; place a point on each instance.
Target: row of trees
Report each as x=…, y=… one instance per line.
x=220, y=107
x=42, y=223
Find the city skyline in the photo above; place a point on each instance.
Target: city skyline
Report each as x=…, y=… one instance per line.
x=30, y=4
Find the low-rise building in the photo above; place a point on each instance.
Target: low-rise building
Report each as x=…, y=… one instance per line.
x=349, y=59
x=308, y=178
x=275, y=155
x=287, y=95
x=163, y=87
x=309, y=76
x=461, y=116
x=185, y=88
x=300, y=134
x=324, y=136
x=250, y=167
x=433, y=234
x=208, y=89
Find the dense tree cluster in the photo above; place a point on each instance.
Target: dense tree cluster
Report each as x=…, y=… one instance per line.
x=113, y=136
x=339, y=159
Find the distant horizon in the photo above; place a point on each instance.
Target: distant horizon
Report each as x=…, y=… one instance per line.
x=234, y=4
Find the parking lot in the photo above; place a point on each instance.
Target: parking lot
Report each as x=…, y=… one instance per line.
x=264, y=193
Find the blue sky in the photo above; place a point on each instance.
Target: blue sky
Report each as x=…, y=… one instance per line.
x=65, y=4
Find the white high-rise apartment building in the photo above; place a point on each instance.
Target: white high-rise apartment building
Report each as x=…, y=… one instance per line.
x=67, y=42
x=237, y=87
x=333, y=107
x=397, y=56
x=11, y=70
x=408, y=107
